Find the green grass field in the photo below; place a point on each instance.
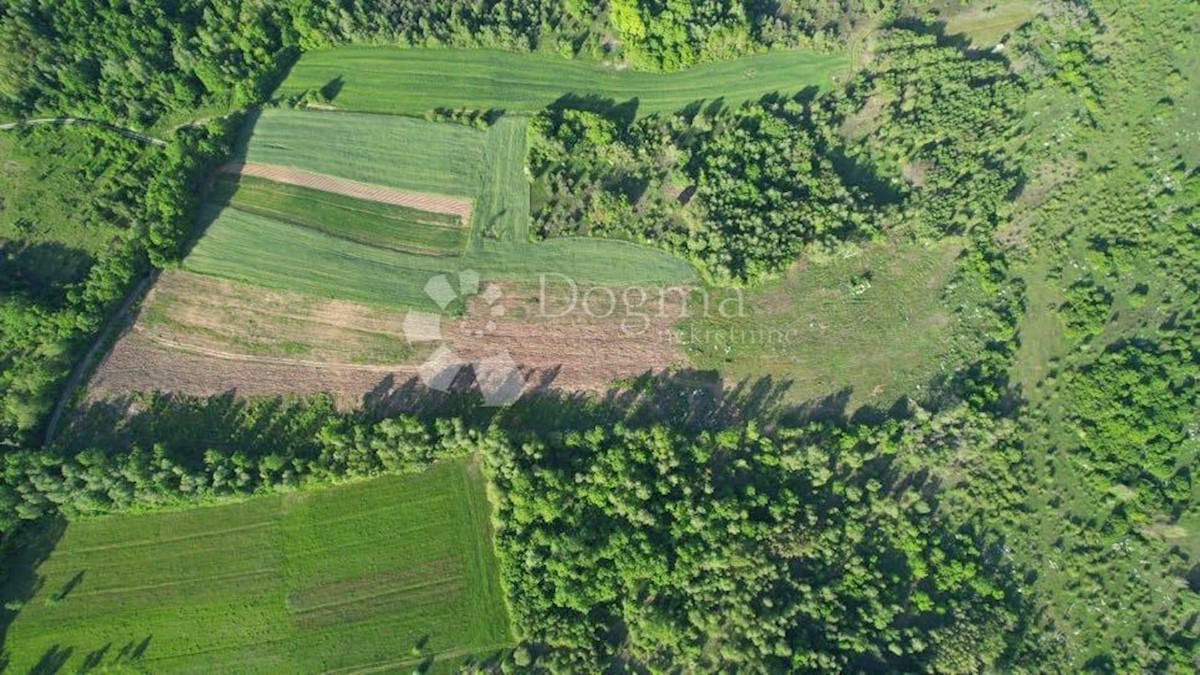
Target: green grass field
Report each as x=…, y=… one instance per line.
x=864, y=330
x=413, y=81
x=270, y=252
x=350, y=578
x=372, y=223
x=398, y=152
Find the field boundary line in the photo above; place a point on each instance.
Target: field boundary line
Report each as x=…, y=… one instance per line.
x=83, y=368
x=234, y=202
x=169, y=540
x=301, y=613
x=380, y=666
x=181, y=582
x=287, y=218
x=451, y=206
x=358, y=514
x=355, y=209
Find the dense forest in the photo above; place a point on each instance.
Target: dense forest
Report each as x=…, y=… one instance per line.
x=806, y=549
x=1031, y=512
x=733, y=547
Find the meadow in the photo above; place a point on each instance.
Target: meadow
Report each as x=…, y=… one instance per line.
x=858, y=331
x=381, y=575
x=485, y=166
x=397, y=152
x=413, y=81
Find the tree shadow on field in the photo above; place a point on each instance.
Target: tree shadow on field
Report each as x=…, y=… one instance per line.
x=960, y=41
x=69, y=586
x=21, y=554
x=332, y=88
x=42, y=270
x=623, y=113
x=52, y=661
x=391, y=397
x=689, y=400
x=190, y=425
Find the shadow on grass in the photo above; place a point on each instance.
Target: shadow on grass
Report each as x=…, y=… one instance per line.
x=21, y=554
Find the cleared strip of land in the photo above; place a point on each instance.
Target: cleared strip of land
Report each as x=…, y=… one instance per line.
x=355, y=189
x=204, y=336
x=413, y=81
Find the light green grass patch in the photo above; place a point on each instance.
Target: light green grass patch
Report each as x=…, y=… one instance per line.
x=366, y=222
x=350, y=577
x=413, y=81
x=43, y=244
x=986, y=23
x=863, y=330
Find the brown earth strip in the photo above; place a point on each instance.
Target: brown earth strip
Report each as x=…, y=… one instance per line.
x=373, y=193
x=204, y=336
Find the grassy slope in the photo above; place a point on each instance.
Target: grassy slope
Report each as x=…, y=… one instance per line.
x=413, y=81
x=831, y=335
x=351, y=576
x=372, y=223
x=253, y=249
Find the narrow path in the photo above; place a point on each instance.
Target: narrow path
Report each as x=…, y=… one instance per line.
x=128, y=133
x=83, y=368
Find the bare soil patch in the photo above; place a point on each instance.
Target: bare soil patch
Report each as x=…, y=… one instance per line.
x=205, y=336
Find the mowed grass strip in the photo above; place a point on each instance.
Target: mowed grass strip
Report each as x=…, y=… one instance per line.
x=348, y=577
x=372, y=223
x=252, y=249
x=413, y=81
x=410, y=562
x=398, y=152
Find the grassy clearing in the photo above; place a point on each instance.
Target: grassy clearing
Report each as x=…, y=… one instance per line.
x=347, y=578
x=413, y=81
x=43, y=244
x=985, y=23
x=268, y=252
x=1077, y=543
x=372, y=223
x=863, y=330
